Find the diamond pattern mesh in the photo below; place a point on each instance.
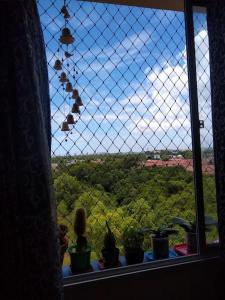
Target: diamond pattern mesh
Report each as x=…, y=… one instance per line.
x=128, y=158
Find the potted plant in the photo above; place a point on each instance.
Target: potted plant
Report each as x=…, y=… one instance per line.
x=110, y=253
x=160, y=241
x=80, y=253
x=132, y=242
x=63, y=241
x=191, y=232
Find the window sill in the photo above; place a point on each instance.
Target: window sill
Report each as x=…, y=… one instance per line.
x=212, y=253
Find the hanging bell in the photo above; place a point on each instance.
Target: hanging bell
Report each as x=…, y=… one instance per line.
x=65, y=126
x=63, y=77
x=75, y=109
x=63, y=9
x=79, y=101
x=66, y=37
x=75, y=94
x=69, y=87
x=66, y=15
x=67, y=54
x=58, y=65
x=70, y=119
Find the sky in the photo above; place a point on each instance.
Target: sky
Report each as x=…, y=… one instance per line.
x=132, y=78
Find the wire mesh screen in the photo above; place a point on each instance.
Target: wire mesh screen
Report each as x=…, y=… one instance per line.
x=128, y=158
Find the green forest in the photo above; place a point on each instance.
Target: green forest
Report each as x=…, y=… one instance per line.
x=120, y=190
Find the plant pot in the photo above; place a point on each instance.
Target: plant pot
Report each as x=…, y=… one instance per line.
x=110, y=258
x=191, y=239
x=134, y=255
x=80, y=261
x=160, y=247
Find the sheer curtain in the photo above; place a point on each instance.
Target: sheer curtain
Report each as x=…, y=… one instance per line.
x=216, y=27
x=29, y=267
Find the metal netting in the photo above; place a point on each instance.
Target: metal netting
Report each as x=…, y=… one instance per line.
x=128, y=157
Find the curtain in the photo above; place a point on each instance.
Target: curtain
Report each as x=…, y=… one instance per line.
x=216, y=29
x=29, y=267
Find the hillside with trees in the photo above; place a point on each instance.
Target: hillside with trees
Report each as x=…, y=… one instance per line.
x=120, y=190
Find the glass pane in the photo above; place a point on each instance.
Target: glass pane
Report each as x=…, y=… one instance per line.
x=128, y=158
x=205, y=115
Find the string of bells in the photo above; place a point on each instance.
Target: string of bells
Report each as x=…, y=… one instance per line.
x=67, y=38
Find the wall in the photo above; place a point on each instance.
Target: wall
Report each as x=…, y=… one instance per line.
x=198, y=280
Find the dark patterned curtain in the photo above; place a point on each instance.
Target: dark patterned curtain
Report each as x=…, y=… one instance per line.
x=29, y=264
x=216, y=27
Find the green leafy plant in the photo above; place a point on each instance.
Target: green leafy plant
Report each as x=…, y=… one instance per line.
x=191, y=226
x=162, y=232
x=133, y=238
x=109, y=240
x=110, y=253
x=80, y=229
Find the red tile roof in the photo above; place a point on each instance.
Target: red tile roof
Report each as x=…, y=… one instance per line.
x=185, y=163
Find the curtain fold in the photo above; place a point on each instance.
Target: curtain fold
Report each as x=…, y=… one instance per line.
x=216, y=29
x=30, y=267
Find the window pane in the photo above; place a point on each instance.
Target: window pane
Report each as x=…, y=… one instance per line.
x=205, y=115
x=128, y=158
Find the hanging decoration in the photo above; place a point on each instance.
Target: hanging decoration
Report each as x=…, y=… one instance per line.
x=67, y=77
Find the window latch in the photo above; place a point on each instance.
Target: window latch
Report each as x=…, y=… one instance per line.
x=201, y=124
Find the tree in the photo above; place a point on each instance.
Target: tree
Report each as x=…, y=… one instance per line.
x=67, y=189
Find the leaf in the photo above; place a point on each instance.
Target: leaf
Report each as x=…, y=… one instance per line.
x=182, y=223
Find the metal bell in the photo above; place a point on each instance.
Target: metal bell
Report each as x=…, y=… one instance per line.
x=66, y=37
x=67, y=54
x=63, y=77
x=64, y=11
x=58, y=65
x=79, y=101
x=65, y=126
x=70, y=119
x=75, y=94
x=66, y=15
x=75, y=109
x=69, y=87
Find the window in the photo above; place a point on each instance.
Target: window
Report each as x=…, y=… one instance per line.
x=128, y=159
x=205, y=115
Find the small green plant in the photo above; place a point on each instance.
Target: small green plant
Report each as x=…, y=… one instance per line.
x=110, y=253
x=133, y=238
x=160, y=241
x=162, y=232
x=109, y=240
x=191, y=226
x=133, y=242
x=80, y=253
x=80, y=229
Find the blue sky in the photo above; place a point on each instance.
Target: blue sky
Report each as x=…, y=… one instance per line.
x=132, y=77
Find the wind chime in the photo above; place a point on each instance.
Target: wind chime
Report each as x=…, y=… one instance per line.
x=68, y=74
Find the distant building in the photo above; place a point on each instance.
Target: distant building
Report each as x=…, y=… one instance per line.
x=71, y=162
x=187, y=164
x=154, y=155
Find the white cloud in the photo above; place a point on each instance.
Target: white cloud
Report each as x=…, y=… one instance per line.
x=156, y=110
x=118, y=55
